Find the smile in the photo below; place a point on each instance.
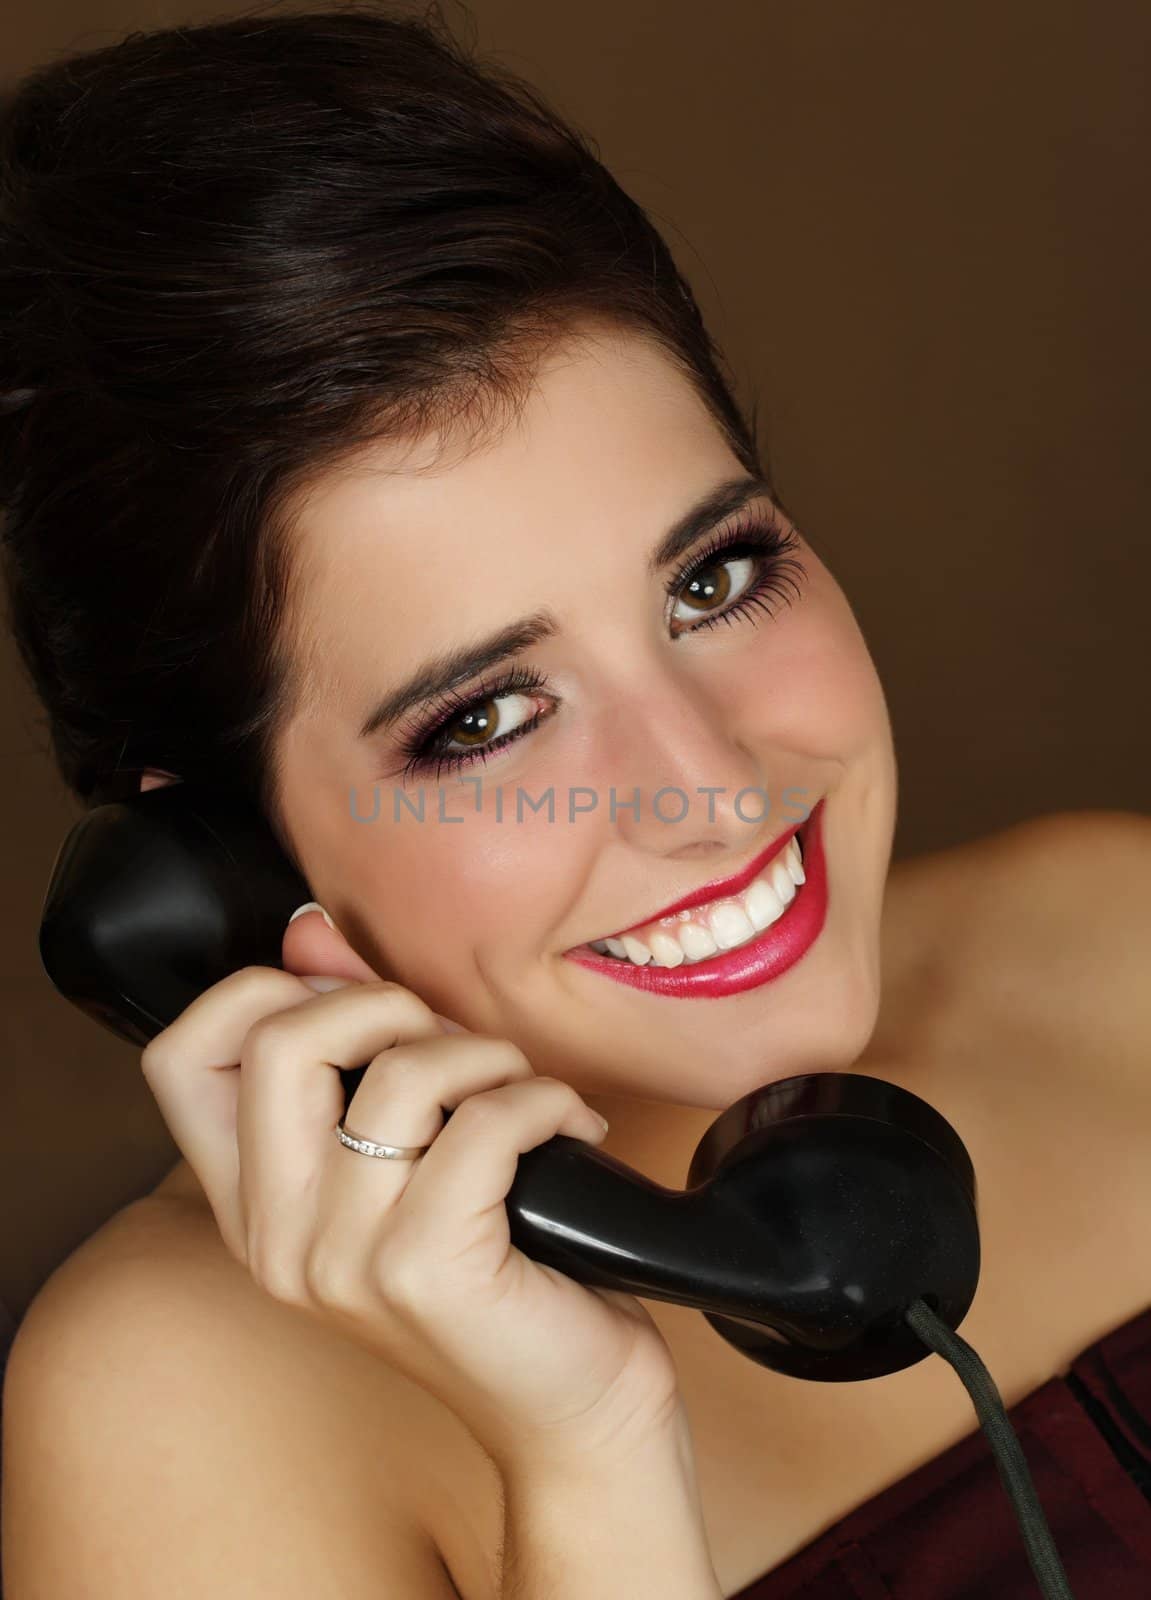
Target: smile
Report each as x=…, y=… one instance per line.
x=734, y=940
x=721, y=924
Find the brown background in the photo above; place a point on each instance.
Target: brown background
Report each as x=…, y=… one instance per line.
x=921, y=236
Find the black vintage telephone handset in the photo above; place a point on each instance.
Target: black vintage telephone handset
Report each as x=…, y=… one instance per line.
x=828, y=1228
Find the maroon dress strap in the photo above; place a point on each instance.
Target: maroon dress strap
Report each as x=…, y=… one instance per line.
x=948, y=1531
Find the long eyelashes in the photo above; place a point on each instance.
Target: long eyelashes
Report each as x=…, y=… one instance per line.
x=777, y=574
x=424, y=748
x=777, y=579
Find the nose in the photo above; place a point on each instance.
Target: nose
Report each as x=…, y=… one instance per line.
x=702, y=791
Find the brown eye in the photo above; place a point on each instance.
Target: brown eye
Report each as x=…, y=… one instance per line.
x=476, y=725
x=438, y=746
x=711, y=585
x=481, y=722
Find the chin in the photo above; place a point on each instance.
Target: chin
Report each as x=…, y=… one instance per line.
x=825, y=1030
x=822, y=1056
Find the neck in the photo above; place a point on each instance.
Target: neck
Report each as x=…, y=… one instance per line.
x=659, y=1139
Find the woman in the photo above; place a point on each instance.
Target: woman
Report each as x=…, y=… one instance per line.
x=374, y=450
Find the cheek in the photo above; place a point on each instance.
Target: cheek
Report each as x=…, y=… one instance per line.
x=819, y=692
x=465, y=890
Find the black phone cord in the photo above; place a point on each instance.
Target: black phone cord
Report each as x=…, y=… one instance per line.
x=1004, y=1442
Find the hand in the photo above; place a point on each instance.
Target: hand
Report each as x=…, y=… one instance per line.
x=411, y=1258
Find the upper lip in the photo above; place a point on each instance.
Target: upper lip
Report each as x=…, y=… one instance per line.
x=719, y=887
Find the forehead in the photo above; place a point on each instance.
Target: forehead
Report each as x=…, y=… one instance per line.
x=417, y=544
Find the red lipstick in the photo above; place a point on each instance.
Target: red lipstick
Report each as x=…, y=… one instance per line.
x=758, y=961
x=721, y=886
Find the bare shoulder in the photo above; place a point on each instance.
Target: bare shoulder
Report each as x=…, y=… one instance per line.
x=1022, y=1010
x=1040, y=856
x=1058, y=933
x=1033, y=939
x=180, y=1394
x=1067, y=840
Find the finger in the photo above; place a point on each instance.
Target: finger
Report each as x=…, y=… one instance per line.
x=401, y=1101
x=310, y=944
x=291, y=1097
x=192, y=1069
x=467, y=1173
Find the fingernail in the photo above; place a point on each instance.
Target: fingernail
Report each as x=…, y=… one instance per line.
x=311, y=905
x=322, y=983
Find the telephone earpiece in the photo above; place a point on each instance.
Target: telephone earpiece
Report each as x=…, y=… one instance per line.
x=817, y=1207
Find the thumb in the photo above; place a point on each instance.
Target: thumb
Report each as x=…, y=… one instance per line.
x=314, y=949
x=313, y=944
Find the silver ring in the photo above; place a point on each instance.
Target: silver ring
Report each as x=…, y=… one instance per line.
x=387, y=1152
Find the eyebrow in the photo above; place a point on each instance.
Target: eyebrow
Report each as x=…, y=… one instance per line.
x=440, y=674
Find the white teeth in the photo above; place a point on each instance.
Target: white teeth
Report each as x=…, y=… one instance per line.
x=795, y=861
x=696, y=941
x=763, y=904
x=666, y=951
x=730, y=925
x=782, y=881
x=699, y=933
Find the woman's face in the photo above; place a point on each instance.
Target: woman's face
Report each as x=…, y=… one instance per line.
x=414, y=557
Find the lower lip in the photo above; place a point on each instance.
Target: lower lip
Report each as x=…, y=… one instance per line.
x=759, y=961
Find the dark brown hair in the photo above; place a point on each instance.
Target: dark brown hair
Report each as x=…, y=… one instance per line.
x=232, y=254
